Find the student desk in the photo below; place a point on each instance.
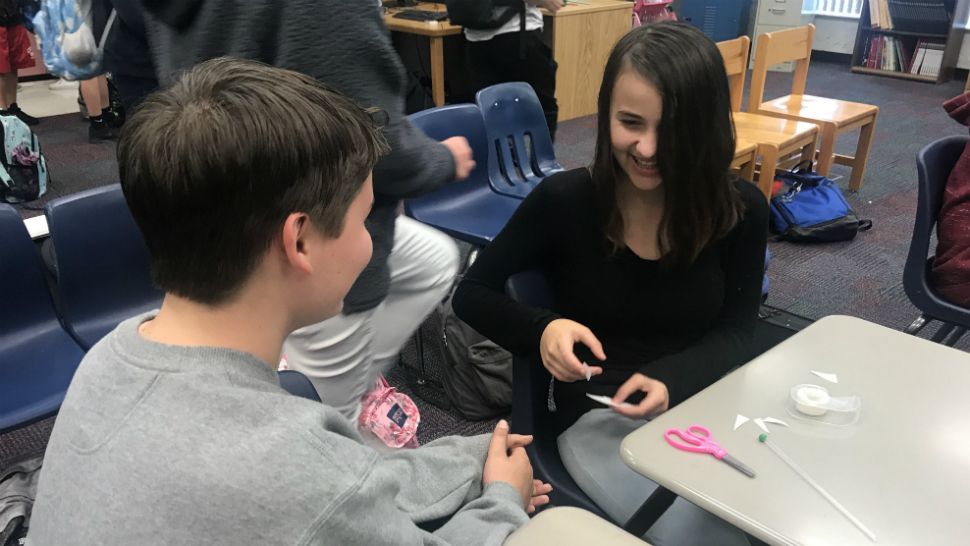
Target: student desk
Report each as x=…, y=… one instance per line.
x=568, y=526
x=903, y=469
x=581, y=37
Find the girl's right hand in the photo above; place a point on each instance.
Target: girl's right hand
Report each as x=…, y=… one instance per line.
x=556, y=350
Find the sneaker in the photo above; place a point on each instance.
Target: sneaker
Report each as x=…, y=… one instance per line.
x=114, y=115
x=99, y=131
x=63, y=85
x=24, y=117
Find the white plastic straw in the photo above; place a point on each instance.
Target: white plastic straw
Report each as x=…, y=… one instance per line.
x=781, y=454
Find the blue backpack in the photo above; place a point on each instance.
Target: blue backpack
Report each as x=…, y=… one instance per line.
x=23, y=168
x=811, y=209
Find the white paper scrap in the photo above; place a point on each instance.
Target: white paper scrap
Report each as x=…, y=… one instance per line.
x=830, y=377
x=589, y=372
x=761, y=425
x=606, y=400
x=740, y=420
x=774, y=421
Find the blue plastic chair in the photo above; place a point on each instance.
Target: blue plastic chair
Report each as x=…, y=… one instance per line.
x=468, y=210
x=520, y=150
x=933, y=165
x=100, y=261
x=297, y=384
x=37, y=357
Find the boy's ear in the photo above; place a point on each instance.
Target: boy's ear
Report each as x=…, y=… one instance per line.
x=297, y=229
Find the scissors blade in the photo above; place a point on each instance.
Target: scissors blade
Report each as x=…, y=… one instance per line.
x=739, y=466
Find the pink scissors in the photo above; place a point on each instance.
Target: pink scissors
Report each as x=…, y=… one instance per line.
x=697, y=439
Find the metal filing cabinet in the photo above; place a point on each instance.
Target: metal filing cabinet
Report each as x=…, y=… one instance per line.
x=719, y=19
x=772, y=15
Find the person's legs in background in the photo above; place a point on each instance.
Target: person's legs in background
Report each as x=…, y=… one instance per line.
x=133, y=90
x=96, y=99
x=15, y=53
x=344, y=355
x=499, y=60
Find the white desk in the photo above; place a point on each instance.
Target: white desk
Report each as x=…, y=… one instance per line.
x=903, y=469
x=567, y=526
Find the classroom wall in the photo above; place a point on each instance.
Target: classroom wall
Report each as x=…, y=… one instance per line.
x=837, y=34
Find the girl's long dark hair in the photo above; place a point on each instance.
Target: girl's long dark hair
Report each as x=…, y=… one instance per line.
x=695, y=144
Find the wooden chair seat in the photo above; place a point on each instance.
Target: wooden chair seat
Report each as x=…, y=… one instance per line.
x=745, y=157
x=777, y=139
x=813, y=109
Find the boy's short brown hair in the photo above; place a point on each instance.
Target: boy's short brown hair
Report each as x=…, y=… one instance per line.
x=212, y=166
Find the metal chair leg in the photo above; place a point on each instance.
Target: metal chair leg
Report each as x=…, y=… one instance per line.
x=650, y=511
x=944, y=331
x=918, y=324
x=954, y=337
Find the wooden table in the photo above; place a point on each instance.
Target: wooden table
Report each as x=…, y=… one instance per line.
x=568, y=526
x=903, y=469
x=581, y=37
x=777, y=139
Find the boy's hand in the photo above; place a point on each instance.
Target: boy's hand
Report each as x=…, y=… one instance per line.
x=540, y=495
x=654, y=403
x=556, y=350
x=462, y=153
x=507, y=462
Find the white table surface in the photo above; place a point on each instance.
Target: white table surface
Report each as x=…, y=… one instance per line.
x=568, y=526
x=903, y=469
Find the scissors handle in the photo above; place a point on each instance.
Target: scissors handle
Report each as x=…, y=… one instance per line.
x=696, y=439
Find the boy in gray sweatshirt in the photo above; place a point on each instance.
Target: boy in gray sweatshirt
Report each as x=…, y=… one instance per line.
x=250, y=185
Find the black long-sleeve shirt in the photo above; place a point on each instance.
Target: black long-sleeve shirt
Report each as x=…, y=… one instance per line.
x=684, y=328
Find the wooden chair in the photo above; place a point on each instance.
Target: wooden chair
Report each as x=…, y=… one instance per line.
x=833, y=116
x=745, y=158
x=775, y=139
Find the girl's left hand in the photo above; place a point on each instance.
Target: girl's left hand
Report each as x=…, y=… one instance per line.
x=654, y=403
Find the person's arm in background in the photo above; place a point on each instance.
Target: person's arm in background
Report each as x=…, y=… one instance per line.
x=727, y=343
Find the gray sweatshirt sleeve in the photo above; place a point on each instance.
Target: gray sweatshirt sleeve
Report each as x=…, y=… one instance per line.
x=400, y=490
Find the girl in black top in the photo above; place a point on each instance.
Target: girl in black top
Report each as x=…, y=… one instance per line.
x=655, y=253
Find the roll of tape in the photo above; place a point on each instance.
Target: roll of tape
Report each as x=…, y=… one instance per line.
x=811, y=400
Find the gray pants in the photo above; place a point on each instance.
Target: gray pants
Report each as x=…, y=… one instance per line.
x=590, y=451
x=344, y=355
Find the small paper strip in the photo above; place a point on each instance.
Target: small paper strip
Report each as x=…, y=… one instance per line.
x=740, y=420
x=589, y=372
x=774, y=421
x=830, y=377
x=761, y=424
x=606, y=400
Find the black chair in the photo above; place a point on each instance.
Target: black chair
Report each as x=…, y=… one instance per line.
x=297, y=384
x=531, y=415
x=37, y=357
x=933, y=163
x=100, y=262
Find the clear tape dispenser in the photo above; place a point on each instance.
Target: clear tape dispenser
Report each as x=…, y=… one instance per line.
x=814, y=403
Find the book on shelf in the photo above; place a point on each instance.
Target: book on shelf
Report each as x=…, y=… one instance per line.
x=927, y=59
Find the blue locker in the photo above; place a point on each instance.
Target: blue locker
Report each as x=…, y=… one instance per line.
x=719, y=19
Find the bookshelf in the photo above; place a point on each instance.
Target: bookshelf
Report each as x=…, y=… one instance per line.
x=910, y=39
